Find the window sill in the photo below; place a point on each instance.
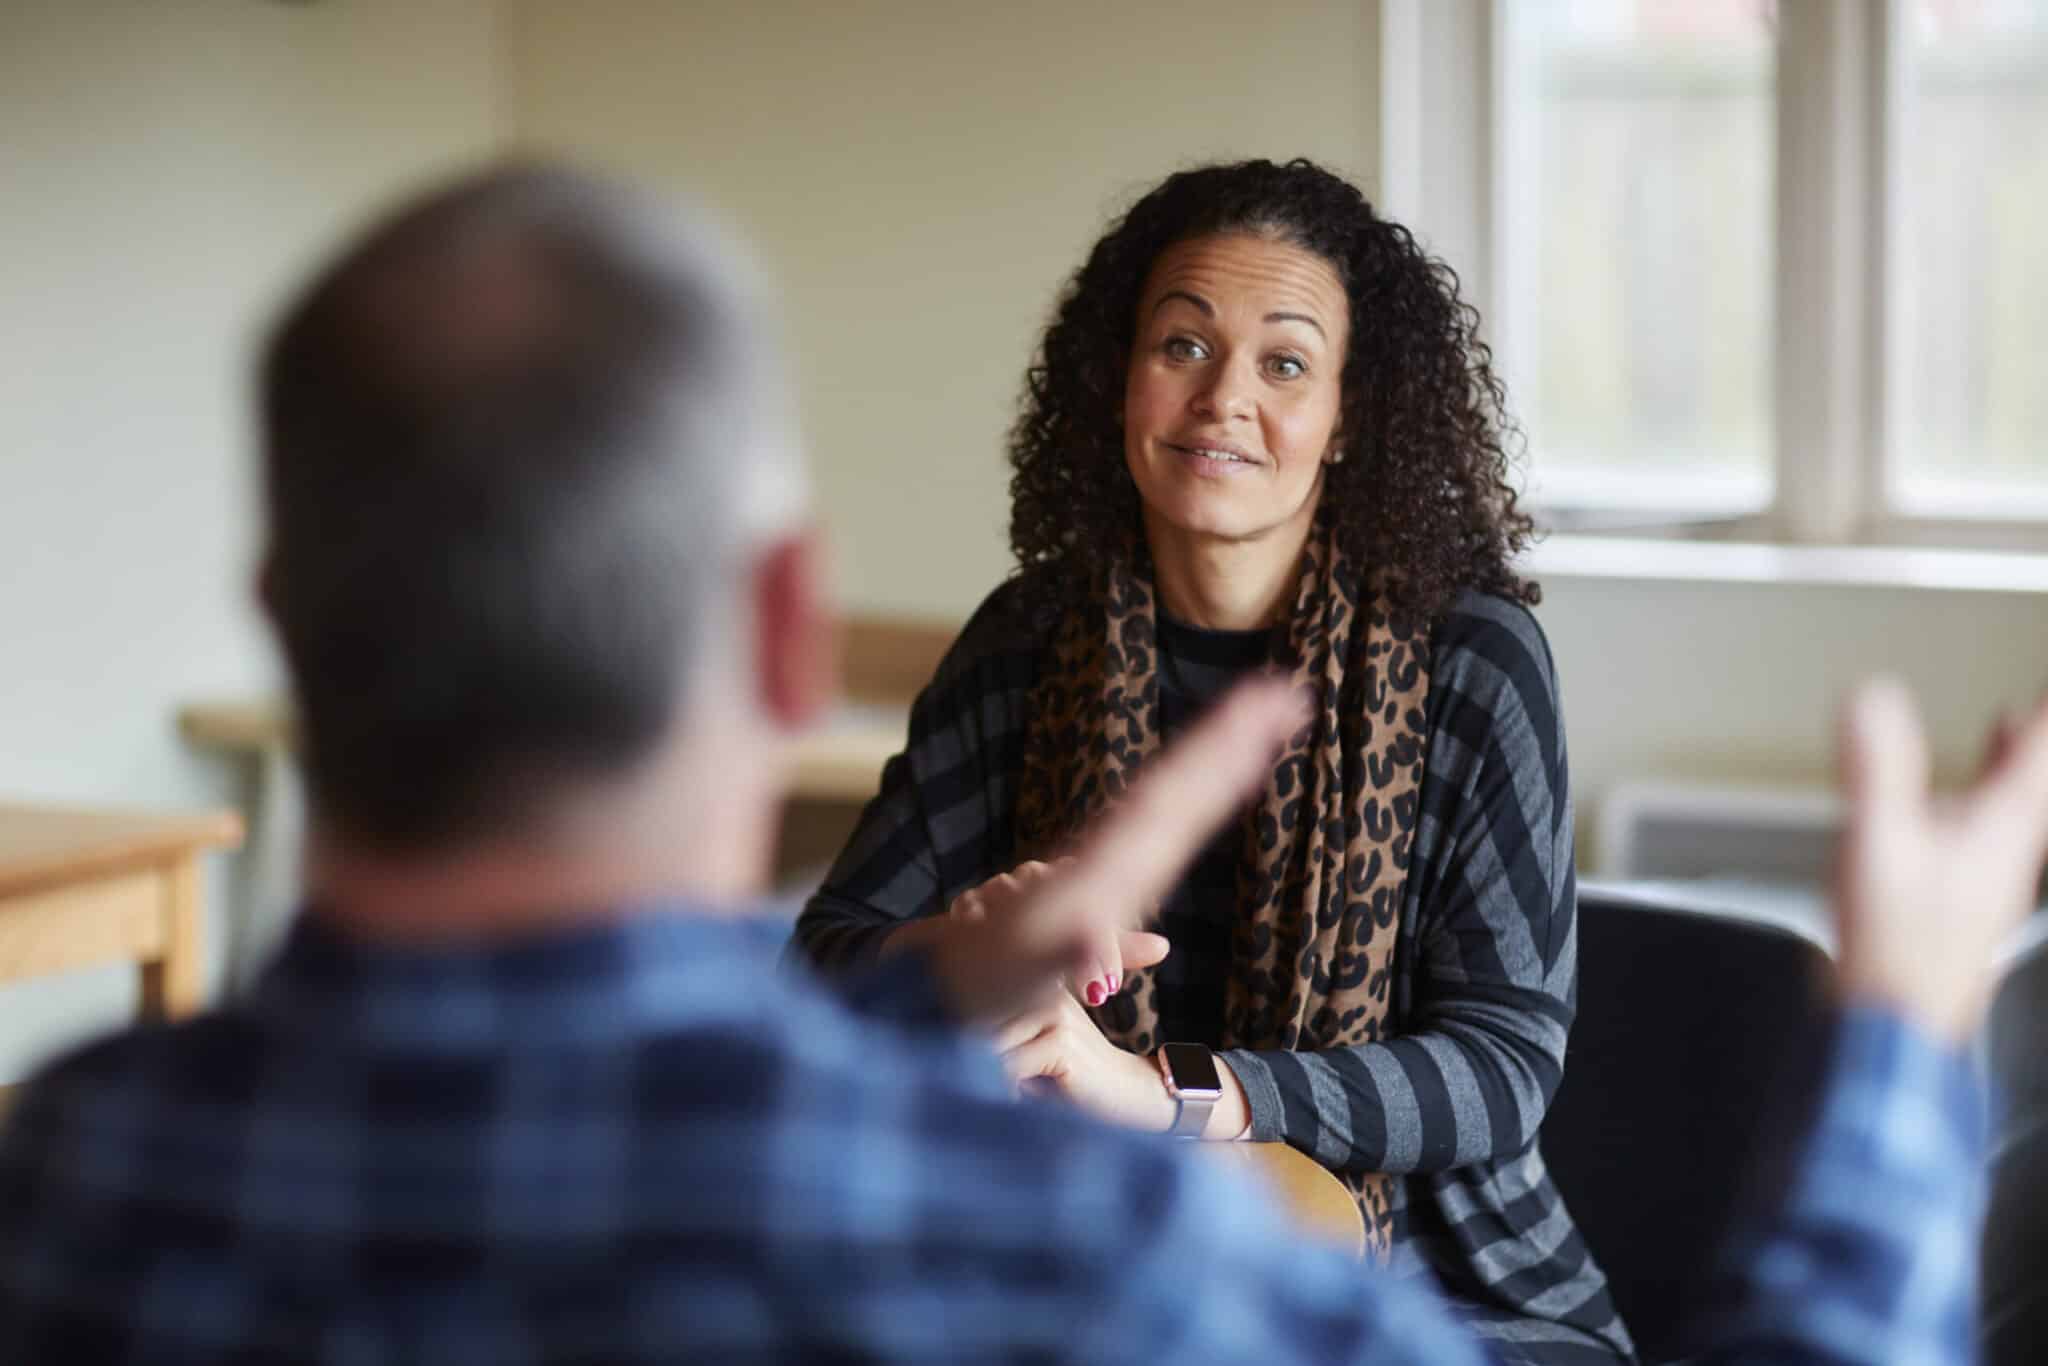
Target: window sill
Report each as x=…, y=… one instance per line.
x=1661, y=560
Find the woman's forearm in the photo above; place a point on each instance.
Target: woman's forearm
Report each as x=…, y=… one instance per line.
x=1436, y=1100
x=836, y=933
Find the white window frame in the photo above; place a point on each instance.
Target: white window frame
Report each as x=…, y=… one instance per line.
x=1443, y=147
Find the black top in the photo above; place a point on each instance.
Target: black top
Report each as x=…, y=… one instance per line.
x=1197, y=666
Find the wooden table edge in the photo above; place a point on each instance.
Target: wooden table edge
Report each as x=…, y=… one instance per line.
x=166, y=837
x=832, y=764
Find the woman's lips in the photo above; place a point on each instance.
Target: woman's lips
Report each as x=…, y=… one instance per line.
x=1213, y=461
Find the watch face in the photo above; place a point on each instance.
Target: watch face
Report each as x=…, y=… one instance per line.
x=1192, y=1066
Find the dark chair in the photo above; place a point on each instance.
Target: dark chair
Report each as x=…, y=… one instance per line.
x=2015, y=1265
x=1688, y=1021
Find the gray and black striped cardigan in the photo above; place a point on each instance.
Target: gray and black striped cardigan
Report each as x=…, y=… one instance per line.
x=1486, y=963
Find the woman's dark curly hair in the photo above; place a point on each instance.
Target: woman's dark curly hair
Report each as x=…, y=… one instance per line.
x=1422, y=497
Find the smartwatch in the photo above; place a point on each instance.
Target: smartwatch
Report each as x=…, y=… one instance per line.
x=1192, y=1081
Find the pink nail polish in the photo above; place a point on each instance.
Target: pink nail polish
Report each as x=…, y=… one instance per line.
x=1095, y=993
x=1116, y=983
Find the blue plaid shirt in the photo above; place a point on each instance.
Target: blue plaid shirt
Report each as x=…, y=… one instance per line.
x=1872, y=1257
x=641, y=1142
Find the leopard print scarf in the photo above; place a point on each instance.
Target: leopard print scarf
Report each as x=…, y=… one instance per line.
x=1326, y=846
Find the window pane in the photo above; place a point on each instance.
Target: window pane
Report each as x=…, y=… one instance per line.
x=1971, y=406
x=1637, y=145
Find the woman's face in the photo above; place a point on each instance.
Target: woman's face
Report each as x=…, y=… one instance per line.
x=1235, y=386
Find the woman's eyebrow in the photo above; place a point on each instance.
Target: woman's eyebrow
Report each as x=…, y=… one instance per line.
x=1297, y=318
x=1208, y=309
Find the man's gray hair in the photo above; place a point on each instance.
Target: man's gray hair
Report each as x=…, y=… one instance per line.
x=517, y=441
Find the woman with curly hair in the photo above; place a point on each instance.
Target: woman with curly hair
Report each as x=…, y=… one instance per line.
x=1262, y=433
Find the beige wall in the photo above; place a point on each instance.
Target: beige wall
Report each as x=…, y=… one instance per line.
x=166, y=166
x=921, y=176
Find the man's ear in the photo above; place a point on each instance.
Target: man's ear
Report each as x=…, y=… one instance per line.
x=796, y=633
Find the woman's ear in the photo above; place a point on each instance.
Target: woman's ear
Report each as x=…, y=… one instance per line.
x=1333, y=454
x=796, y=633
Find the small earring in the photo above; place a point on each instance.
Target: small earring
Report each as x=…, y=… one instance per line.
x=1335, y=457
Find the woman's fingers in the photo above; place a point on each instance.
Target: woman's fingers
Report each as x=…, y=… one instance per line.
x=1022, y=1029
x=1109, y=951
x=1089, y=981
x=1129, y=859
x=1102, y=977
x=1104, y=965
x=1108, y=975
x=1043, y=1056
x=1140, y=949
x=1102, y=971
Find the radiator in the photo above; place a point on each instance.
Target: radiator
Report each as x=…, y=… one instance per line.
x=1665, y=830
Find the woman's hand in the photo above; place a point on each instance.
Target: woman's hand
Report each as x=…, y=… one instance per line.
x=1007, y=959
x=1099, y=968
x=1059, y=1045
x=1110, y=955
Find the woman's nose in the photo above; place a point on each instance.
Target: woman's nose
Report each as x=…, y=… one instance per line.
x=1226, y=394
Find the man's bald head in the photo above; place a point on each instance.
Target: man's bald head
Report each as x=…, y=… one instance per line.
x=516, y=442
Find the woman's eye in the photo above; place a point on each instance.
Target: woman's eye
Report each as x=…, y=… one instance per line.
x=1287, y=367
x=1183, y=348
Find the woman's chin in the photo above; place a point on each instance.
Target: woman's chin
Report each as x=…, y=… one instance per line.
x=1246, y=506
x=1203, y=524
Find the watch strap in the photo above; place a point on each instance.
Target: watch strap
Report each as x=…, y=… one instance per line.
x=1191, y=1108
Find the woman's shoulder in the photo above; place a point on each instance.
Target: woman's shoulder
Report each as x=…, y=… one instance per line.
x=1488, y=639
x=1491, y=670
x=1002, y=641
